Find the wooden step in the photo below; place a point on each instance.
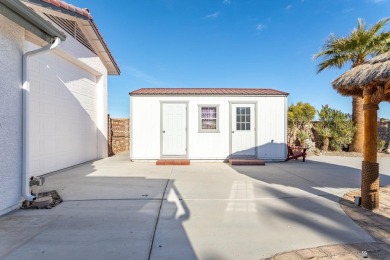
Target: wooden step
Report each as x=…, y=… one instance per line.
x=249, y=161
x=173, y=162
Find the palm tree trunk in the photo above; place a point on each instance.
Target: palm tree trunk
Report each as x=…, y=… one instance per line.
x=358, y=120
x=325, y=145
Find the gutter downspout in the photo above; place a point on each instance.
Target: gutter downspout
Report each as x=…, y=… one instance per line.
x=26, y=117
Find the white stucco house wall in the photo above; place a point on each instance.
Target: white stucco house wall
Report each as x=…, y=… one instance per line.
x=54, y=65
x=208, y=124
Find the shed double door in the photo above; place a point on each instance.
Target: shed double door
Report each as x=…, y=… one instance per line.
x=243, y=134
x=174, y=129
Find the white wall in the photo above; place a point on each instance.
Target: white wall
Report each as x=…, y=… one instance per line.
x=11, y=51
x=63, y=114
x=272, y=116
x=68, y=107
x=78, y=53
x=270, y=125
x=71, y=53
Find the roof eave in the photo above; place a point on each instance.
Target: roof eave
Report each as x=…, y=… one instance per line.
x=209, y=94
x=237, y=95
x=111, y=65
x=31, y=21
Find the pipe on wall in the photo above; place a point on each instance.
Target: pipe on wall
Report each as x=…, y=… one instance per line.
x=26, y=116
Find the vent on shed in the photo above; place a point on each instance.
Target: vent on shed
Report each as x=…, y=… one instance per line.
x=73, y=29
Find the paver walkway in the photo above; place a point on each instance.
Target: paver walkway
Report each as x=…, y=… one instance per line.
x=376, y=223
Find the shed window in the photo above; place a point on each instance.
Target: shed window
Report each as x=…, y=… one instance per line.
x=208, y=118
x=243, y=120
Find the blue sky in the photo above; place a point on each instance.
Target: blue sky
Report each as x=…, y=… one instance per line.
x=228, y=43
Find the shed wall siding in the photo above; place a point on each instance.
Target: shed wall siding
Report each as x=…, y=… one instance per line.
x=272, y=125
x=145, y=127
x=11, y=51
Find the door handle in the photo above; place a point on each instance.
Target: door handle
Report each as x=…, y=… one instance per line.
x=163, y=132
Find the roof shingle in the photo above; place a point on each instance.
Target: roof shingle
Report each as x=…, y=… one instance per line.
x=209, y=91
x=69, y=7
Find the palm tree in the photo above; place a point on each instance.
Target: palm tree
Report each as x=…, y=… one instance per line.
x=355, y=48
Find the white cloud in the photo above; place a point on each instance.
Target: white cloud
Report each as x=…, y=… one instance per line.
x=212, y=16
x=260, y=27
x=143, y=76
x=227, y=2
x=288, y=7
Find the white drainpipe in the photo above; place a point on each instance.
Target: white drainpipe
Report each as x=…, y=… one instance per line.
x=26, y=117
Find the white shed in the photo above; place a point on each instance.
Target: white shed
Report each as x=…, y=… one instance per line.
x=208, y=123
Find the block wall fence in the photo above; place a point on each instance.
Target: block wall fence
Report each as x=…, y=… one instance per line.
x=118, y=135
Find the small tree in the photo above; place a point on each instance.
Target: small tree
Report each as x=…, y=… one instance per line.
x=325, y=133
x=335, y=128
x=302, y=135
x=299, y=119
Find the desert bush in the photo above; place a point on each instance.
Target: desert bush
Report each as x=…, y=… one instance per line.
x=299, y=121
x=335, y=128
x=310, y=145
x=381, y=145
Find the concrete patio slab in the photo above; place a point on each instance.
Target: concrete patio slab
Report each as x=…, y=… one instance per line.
x=80, y=230
x=274, y=207
x=117, y=209
x=111, y=178
x=229, y=229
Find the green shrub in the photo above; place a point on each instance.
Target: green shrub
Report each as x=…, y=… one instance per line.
x=381, y=145
x=317, y=151
x=335, y=128
x=302, y=135
x=299, y=117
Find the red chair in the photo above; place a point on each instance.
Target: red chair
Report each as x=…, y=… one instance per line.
x=295, y=153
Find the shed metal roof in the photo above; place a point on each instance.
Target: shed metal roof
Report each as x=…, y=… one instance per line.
x=209, y=91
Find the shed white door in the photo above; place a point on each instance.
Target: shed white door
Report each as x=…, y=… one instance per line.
x=63, y=109
x=243, y=133
x=174, y=129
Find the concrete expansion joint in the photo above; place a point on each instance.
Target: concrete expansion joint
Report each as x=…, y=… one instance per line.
x=159, y=213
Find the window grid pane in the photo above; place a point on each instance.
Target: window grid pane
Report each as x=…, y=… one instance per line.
x=243, y=118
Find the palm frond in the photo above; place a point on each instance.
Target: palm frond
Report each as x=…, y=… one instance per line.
x=336, y=61
x=356, y=47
